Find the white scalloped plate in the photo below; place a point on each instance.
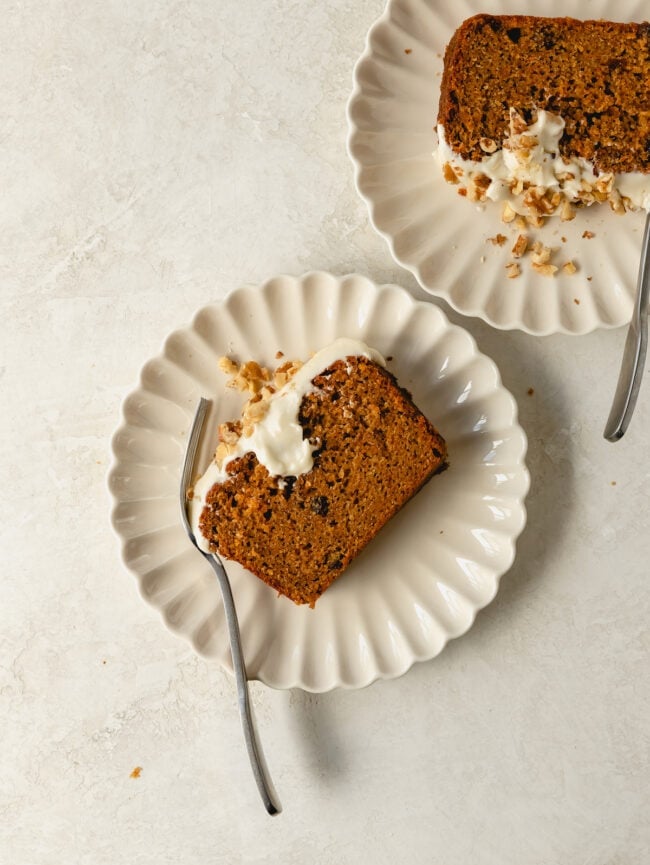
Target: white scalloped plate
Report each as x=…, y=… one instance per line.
x=442, y=238
x=427, y=573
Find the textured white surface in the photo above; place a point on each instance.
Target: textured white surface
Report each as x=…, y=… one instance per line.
x=155, y=155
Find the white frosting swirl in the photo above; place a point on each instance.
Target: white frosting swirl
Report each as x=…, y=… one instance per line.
x=545, y=168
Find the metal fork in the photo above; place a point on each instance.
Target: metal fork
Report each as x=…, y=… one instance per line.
x=634, y=353
x=255, y=754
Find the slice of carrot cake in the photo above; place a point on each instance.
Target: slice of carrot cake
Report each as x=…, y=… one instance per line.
x=325, y=454
x=547, y=113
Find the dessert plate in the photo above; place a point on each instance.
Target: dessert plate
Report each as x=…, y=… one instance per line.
x=442, y=238
x=421, y=581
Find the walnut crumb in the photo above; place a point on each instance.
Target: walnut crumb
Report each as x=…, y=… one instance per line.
x=136, y=772
x=497, y=240
x=569, y=267
x=512, y=270
x=576, y=301
x=544, y=269
x=530, y=391
x=228, y=366
x=448, y=173
x=567, y=213
x=520, y=246
x=488, y=145
x=588, y=235
x=508, y=214
x=279, y=354
x=541, y=253
x=408, y=50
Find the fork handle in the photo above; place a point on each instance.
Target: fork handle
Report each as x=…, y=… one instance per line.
x=253, y=746
x=634, y=353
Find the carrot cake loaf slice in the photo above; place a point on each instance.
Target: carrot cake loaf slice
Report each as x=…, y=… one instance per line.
x=547, y=113
x=326, y=452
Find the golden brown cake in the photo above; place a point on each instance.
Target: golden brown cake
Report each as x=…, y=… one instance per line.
x=503, y=74
x=371, y=451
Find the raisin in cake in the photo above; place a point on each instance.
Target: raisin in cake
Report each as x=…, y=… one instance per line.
x=301, y=484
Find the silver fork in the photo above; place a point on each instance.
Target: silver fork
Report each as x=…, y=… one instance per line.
x=255, y=754
x=634, y=353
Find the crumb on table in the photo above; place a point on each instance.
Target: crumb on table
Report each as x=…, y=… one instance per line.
x=136, y=772
x=530, y=391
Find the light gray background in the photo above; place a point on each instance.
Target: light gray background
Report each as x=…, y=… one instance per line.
x=155, y=155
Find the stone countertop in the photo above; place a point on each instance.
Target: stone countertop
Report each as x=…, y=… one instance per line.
x=154, y=156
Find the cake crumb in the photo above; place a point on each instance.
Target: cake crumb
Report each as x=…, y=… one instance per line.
x=512, y=270
x=588, y=235
x=497, y=240
x=136, y=772
x=530, y=391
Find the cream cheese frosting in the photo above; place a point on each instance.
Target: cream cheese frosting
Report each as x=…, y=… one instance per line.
x=530, y=158
x=277, y=439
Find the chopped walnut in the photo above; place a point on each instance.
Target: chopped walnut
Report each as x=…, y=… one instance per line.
x=569, y=267
x=261, y=385
x=544, y=269
x=541, y=253
x=567, y=213
x=228, y=366
x=512, y=270
x=229, y=432
x=448, y=173
x=517, y=123
x=508, y=214
x=535, y=220
x=521, y=245
x=488, y=145
x=588, y=235
x=497, y=240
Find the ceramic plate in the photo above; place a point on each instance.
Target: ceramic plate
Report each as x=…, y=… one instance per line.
x=443, y=239
x=421, y=580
